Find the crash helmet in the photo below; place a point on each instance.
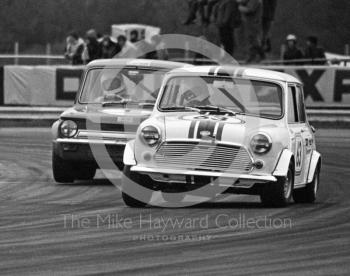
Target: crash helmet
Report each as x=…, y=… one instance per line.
x=112, y=82
x=196, y=92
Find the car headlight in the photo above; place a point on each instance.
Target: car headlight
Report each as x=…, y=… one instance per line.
x=68, y=128
x=150, y=135
x=261, y=143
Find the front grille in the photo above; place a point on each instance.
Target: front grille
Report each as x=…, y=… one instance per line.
x=103, y=126
x=203, y=156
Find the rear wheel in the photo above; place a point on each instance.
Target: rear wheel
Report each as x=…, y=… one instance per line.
x=63, y=171
x=279, y=194
x=134, y=189
x=309, y=193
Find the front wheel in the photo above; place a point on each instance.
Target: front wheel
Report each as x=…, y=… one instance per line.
x=134, y=188
x=132, y=202
x=279, y=194
x=85, y=172
x=173, y=198
x=309, y=193
x=62, y=170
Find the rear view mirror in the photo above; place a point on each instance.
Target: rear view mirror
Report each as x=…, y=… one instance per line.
x=313, y=129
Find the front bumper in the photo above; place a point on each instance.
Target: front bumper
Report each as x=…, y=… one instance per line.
x=80, y=150
x=239, y=180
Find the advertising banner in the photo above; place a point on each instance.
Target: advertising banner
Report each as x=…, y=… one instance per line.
x=58, y=85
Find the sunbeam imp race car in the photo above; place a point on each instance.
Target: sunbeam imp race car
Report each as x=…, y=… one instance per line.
x=221, y=130
x=115, y=97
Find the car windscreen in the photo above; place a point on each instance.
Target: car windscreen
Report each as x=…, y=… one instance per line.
x=103, y=85
x=250, y=97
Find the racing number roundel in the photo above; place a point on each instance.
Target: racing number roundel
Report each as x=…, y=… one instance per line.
x=299, y=154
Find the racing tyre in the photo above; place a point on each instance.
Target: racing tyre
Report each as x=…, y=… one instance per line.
x=135, y=184
x=85, y=172
x=173, y=198
x=120, y=166
x=279, y=194
x=309, y=193
x=62, y=170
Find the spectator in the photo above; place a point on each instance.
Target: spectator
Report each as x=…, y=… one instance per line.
x=314, y=53
x=192, y=11
x=193, y=7
x=204, y=7
x=292, y=53
x=268, y=15
x=134, y=36
x=206, y=14
x=93, y=48
x=251, y=11
x=109, y=48
x=227, y=18
x=128, y=50
x=74, y=49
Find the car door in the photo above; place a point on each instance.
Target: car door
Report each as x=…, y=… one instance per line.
x=296, y=127
x=306, y=132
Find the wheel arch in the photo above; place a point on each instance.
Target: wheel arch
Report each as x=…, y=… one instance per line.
x=315, y=163
x=129, y=156
x=54, y=129
x=286, y=158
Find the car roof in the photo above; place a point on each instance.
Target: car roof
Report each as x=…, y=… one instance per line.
x=236, y=71
x=151, y=63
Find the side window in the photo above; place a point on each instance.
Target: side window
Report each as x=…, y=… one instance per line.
x=292, y=105
x=301, y=105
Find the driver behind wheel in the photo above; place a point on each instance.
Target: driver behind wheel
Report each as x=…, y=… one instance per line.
x=197, y=95
x=113, y=87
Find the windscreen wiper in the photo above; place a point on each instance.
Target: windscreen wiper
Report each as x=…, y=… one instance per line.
x=218, y=109
x=125, y=102
x=187, y=108
x=121, y=102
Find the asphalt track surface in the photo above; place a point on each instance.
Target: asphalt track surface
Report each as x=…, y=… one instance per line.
x=39, y=237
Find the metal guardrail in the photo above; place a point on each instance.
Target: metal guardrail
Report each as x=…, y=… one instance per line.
x=13, y=59
x=292, y=62
x=316, y=61
x=37, y=113
x=19, y=59
x=33, y=56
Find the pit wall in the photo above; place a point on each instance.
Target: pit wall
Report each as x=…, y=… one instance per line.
x=57, y=85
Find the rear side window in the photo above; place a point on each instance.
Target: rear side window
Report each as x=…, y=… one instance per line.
x=301, y=104
x=292, y=105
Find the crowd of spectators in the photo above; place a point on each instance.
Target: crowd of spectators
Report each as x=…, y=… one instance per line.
x=256, y=16
x=312, y=55
x=94, y=46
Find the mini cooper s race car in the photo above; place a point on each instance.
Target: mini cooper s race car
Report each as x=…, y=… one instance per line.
x=236, y=130
x=115, y=96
